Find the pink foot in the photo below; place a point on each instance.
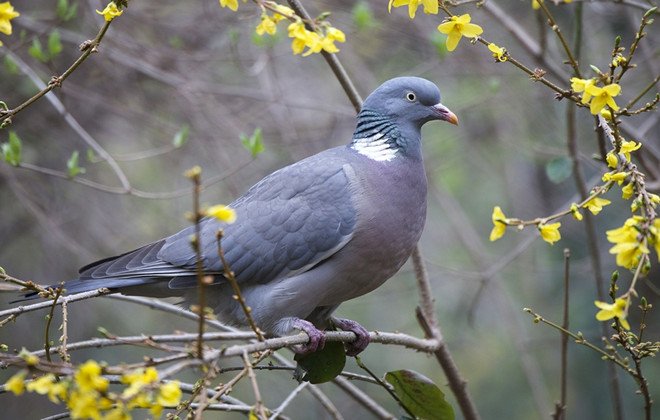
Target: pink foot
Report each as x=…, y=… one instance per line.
x=316, y=337
x=362, y=335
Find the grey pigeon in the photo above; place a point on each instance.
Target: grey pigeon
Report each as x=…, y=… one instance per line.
x=309, y=236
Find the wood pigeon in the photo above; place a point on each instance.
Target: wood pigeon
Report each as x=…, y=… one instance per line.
x=309, y=236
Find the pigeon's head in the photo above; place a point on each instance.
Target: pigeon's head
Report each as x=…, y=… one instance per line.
x=409, y=100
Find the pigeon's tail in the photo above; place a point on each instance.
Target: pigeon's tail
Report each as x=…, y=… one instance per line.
x=134, y=286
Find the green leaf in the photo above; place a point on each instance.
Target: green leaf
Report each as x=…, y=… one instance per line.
x=322, y=365
x=420, y=395
x=181, y=136
x=54, y=44
x=10, y=65
x=66, y=11
x=11, y=151
x=595, y=69
x=91, y=156
x=36, y=50
x=266, y=40
x=363, y=16
x=254, y=144
x=176, y=42
x=72, y=165
x=558, y=169
x=439, y=41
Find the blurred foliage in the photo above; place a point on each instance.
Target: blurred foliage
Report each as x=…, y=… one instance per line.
x=169, y=65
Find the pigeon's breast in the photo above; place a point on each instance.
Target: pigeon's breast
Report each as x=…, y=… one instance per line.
x=390, y=198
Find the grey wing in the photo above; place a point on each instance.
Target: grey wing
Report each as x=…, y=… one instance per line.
x=287, y=223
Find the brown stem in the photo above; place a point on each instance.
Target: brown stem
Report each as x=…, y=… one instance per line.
x=555, y=27
x=195, y=176
x=429, y=323
x=332, y=60
x=49, y=320
x=231, y=278
x=560, y=407
x=89, y=47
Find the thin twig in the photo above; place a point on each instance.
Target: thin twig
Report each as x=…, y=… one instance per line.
x=364, y=399
x=428, y=321
x=293, y=394
x=238, y=296
x=560, y=407
x=49, y=321
x=71, y=298
x=258, y=404
x=88, y=47
x=194, y=175
x=555, y=27
x=384, y=386
x=62, y=349
x=579, y=339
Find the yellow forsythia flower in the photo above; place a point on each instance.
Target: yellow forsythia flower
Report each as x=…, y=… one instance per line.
x=284, y=11
x=83, y=405
x=603, y=96
x=169, y=394
x=617, y=177
x=618, y=309
x=430, y=6
x=16, y=383
x=619, y=60
x=606, y=113
x=627, y=191
x=628, y=247
x=110, y=12
x=596, y=204
x=655, y=199
x=231, y=4
x=456, y=28
x=580, y=85
x=550, y=233
x=629, y=146
x=612, y=160
x=7, y=13
x=575, y=211
x=267, y=26
x=88, y=377
x=118, y=413
x=313, y=41
x=29, y=358
x=47, y=385
x=137, y=380
x=499, y=53
x=499, y=224
x=655, y=231
x=222, y=213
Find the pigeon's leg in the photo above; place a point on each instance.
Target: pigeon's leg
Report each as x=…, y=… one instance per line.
x=316, y=337
x=361, y=342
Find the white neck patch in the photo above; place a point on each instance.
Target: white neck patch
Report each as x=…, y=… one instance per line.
x=375, y=148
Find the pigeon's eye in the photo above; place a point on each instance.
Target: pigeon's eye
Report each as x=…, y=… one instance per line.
x=411, y=96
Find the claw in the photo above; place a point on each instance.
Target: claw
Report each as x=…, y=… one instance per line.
x=362, y=335
x=316, y=337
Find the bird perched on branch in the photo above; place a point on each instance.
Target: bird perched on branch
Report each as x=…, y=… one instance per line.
x=309, y=236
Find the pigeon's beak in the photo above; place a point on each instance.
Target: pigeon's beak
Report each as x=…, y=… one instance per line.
x=445, y=114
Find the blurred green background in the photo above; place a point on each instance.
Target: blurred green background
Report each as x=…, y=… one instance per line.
x=170, y=64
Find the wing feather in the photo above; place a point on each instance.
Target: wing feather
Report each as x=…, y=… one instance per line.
x=287, y=223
